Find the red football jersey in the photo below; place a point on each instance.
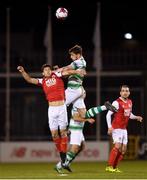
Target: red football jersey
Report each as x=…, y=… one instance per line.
x=121, y=118
x=53, y=87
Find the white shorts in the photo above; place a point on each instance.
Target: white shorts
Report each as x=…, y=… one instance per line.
x=57, y=117
x=120, y=136
x=76, y=137
x=73, y=95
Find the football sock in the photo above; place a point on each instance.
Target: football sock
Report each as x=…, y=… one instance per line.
x=63, y=144
x=62, y=156
x=76, y=155
x=113, y=155
x=69, y=157
x=57, y=142
x=118, y=159
x=94, y=111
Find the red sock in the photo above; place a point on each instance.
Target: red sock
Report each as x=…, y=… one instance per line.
x=118, y=159
x=113, y=155
x=57, y=142
x=64, y=142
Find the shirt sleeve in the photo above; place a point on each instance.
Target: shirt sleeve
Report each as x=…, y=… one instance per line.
x=115, y=104
x=132, y=116
x=109, y=114
x=39, y=81
x=58, y=73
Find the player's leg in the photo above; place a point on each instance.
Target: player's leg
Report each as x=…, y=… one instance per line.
x=57, y=140
x=58, y=119
x=123, y=150
x=96, y=110
x=63, y=150
x=63, y=122
x=76, y=139
x=117, y=137
x=53, y=125
x=81, y=148
x=79, y=103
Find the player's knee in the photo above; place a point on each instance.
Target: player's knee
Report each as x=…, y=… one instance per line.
x=55, y=135
x=63, y=133
x=117, y=146
x=75, y=148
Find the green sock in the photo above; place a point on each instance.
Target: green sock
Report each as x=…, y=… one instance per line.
x=75, y=155
x=93, y=111
x=69, y=157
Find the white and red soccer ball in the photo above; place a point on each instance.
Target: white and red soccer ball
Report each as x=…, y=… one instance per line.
x=61, y=13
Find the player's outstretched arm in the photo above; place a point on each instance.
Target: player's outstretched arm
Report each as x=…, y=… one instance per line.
x=26, y=76
x=71, y=72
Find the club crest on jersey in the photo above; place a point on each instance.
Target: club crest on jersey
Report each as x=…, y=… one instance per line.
x=127, y=112
x=51, y=82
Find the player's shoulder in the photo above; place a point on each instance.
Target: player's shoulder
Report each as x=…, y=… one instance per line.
x=115, y=103
x=56, y=74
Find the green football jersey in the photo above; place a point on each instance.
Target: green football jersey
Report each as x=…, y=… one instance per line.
x=75, y=81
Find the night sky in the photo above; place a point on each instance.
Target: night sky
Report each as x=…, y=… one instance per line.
x=117, y=18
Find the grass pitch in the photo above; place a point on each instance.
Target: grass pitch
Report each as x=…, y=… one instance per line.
x=82, y=170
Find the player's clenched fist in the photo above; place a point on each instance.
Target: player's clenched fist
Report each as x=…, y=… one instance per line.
x=20, y=69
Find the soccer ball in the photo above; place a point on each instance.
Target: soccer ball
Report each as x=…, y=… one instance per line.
x=61, y=13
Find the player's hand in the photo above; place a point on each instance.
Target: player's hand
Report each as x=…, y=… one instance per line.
x=110, y=131
x=91, y=121
x=139, y=118
x=20, y=69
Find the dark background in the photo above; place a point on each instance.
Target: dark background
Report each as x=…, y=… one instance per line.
x=117, y=18
x=28, y=20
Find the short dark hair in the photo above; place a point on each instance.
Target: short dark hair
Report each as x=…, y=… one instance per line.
x=76, y=49
x=55, y=67
x=124, y=86
x=44, y=66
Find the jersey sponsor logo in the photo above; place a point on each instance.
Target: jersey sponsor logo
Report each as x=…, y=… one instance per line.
x=50, y=82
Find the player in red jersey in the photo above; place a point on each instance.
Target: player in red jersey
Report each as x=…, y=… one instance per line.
x=118, y=127
x=53, y=87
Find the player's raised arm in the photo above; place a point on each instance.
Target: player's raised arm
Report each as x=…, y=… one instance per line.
x=26, y=76
x=73, y=67
x=72, y=72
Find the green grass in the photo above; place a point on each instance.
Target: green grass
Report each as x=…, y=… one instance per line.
x=82, y=170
